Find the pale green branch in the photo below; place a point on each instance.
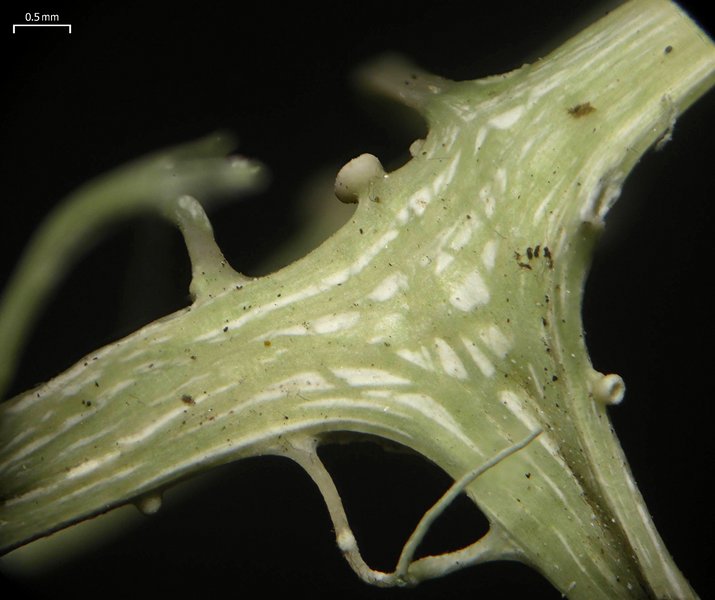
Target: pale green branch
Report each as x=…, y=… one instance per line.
x=444, y=316
x=150, y=185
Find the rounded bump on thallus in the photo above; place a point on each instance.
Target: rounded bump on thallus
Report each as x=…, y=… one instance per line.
x=354, y=179
x=607, y=389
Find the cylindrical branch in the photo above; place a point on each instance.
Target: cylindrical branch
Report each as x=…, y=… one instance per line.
x=210, y=272
x=394, y=77
x=408, y=570
x=582, y=117
x=313, y=348
x=196, y=411
x=146, y=185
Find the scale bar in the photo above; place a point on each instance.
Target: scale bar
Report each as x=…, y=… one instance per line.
x=41, y=25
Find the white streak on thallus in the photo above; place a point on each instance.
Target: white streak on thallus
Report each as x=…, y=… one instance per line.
x=327, y=283
x=471, y=291
x=495, y=340
x=307, y=381
x=388, y=287
x=443, y=260
x=361, y=376
x=451, y=364
x=429, y=407
x=337, y=322
x=489, y=253
x=516, y=406
x=147, y=431
x=479, y=358
x=420, y=357
x=479, y=139
x=507, y=118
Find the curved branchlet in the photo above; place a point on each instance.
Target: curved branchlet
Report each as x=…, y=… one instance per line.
x=408, y=571
x=149, y=185
x=210, y=273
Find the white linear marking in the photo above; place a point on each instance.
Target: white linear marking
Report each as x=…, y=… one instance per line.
x=554, y=488
x=308, y=381
x=356, y=403
x=495, y=340
x=446, y=176
x=508, y=118
x=470, y=292
x=489, y=253
x=388, y=287
x=463, y=235
x=534, y=379
x=361, y=376
x=378, y=393
x=429, y=407
x=116, y=476
x=525, y=149
x=333, y=323
x=501, y=179
x=152, y=428
x=327, y=283
x=562, y=539
x=443, y=260
x=479, y=139
x=484, y=364
x=485, y=195
x=91, y=465
x=539, y=212
x=116, y=389
x=366, y=258
x=516, y=406
x=293, y=330
x=449, y=138
x=25, y=450
x=449, y=360
x=420, y=358
x=550, y=445
x=88, y=440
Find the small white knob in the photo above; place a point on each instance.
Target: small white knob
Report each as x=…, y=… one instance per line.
x=354, y=178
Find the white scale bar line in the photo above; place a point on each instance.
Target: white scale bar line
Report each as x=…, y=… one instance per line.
x=41, y=25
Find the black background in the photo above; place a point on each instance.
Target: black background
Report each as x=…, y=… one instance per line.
x=138, y=76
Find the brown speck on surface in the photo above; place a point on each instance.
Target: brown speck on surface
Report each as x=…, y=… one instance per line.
x=519, y=262
x=186, y=399
x=668, y=49
x=581, y=110
x=548, y=257
x=267, y=343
